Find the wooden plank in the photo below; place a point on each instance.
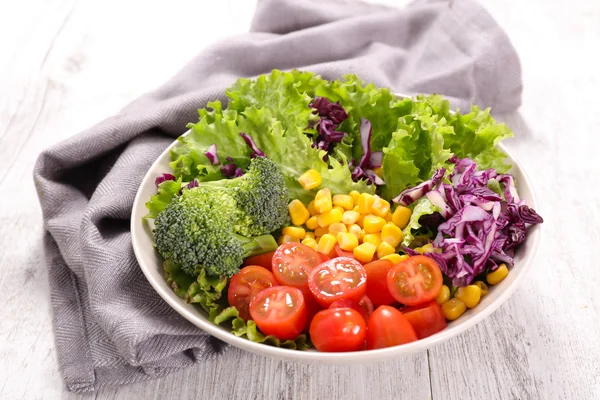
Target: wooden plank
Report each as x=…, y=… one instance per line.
x=241, y=375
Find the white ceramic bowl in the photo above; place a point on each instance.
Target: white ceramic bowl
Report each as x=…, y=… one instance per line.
x=151, y=264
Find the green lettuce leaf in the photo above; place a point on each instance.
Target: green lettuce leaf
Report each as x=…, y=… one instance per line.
x=285, y=94
x=421, y=207
x=379, y=105
x=177, y=279
x=291, y=149
x=249, y=330
x=475, y=136
x=215, y=126
x=415, y=151
x=167, y=190
x=207, y=292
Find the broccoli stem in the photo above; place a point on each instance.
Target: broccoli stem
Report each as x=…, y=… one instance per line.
x=256, y=245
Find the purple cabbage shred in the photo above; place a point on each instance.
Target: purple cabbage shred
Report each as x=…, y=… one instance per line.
x=479, y=228
x=164, y=177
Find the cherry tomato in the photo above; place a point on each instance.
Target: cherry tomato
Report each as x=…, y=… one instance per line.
x=364, y=307
x=324, y=257
x=415, y=281
x=338, y=278
x=342, y=253
x=338, y=329
x=245, y=285
x=293, y=262
x=388, y=327
x=279, y=311
x=427, y=319
x=264, y=260
x=367, y=305
x=377, y=286
x=312, y=307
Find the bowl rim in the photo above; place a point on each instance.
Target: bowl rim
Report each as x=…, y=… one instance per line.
x=179, y=305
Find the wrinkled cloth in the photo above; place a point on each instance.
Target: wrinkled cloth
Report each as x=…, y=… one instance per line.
x=111, y=327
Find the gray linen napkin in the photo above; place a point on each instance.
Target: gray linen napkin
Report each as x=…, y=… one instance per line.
x=111, y=327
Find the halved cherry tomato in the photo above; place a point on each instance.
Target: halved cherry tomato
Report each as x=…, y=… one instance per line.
x=415, y=281
x=377, y=286
x=279, y=311
x=338, y=278
x=293, y=262
x=338, y=329
x=264, y=260
x=388, y=327
x=427, y=319
x=245, y=285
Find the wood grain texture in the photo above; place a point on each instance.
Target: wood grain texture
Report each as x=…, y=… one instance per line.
x=66, y=64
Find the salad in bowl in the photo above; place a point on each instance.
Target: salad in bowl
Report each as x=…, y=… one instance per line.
x=333, y=216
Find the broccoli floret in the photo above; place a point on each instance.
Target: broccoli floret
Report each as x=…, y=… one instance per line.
x=261, y=197
x=195, y=231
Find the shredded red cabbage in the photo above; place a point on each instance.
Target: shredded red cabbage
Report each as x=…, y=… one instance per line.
x=368, y=160
x=256, y=152
x=332, y=114
x=164, y=177
x=212, y=154
x=480, y=228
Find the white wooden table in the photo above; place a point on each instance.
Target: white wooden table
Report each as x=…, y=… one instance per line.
x=66, y=64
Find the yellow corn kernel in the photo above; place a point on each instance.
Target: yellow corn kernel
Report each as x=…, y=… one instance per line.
x=482, y=286
x=392, y=234
x=361, y=220
x=298, y=212
x=320, y=232
x=323, y=202
x=355, y=230
x=336, y=228
x=350, y=217
x=347, y=241
x=373, y=223
x=310, y=242
x=443, y=296
x=361, y=235
x=312, y=222
x=373, y=238
x=453, y=309
x=310, y=179
x=470, y=295
x=401, y=216
x=365, y=202
x=388, y=217
x=364, y=252
x=326, y=244
x=309, y=235
x=355, y=195
x=286, y=239
x=380, y=207
x=294, y=231
x=378, y=171
x=356, y=207
x=329, y=217
x=343, y=200
x=311, y=208
x=341, y=209
x=385, y=249
x=395, y=258
x=494, y=278
x=428, y=248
